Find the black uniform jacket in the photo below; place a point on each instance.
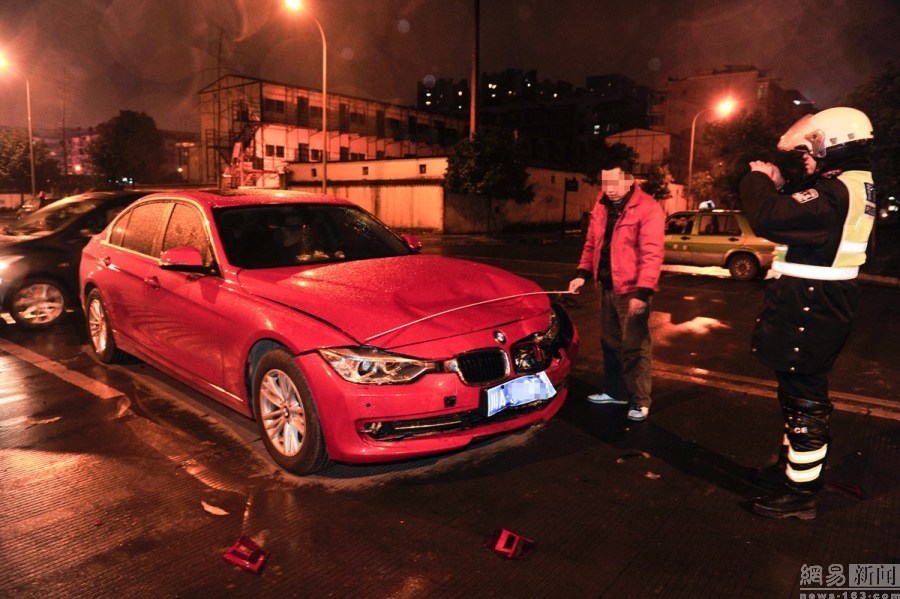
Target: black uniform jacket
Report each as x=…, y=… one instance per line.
x=804, y=323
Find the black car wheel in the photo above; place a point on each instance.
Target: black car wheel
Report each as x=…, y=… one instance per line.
x=743, y=267
x=100, y=331
x=38, y=303
x=286, y=414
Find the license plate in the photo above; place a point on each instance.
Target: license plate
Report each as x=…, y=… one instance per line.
x=518, y=392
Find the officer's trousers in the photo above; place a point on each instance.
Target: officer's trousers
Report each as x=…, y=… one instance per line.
x=806, y=409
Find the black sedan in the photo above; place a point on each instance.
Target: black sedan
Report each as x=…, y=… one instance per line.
x=41, y=252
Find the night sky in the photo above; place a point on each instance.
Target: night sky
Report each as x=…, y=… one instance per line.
x=88, y=59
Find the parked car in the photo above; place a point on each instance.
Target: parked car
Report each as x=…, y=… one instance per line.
x=334, y=333
x=33, y=204
x=40, y=254
x=717, y=238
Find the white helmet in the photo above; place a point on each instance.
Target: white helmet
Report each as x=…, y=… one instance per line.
x=827, y=130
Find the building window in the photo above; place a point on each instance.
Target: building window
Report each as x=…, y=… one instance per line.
x=315, y=155
x=423, y=168
x=272, y=150
x=273, y=105
x=313, y=173
x=365, y=170
x=303, y=153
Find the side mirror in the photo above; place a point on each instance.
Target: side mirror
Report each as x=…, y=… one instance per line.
x=183, y=259
x=412, y=241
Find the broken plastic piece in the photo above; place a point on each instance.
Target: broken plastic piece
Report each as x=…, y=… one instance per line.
x=246, y=554
x=509, y=545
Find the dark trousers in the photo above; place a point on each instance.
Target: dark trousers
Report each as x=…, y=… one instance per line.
x=627, y=351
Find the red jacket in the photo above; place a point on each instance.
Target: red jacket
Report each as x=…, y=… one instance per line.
x=637, y=246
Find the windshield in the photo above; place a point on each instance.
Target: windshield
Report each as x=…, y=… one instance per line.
x=269, y=236
x=51, y=219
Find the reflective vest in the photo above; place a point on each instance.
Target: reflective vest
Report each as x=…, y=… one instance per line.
x=858, y=225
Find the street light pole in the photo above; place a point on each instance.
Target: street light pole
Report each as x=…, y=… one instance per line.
x=724, y=108
x=324, y=104
x=4, y=64
x=30, y=135
x=295, y=5
x=691, y=151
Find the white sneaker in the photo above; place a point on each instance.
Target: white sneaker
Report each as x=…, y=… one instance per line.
x=603, y=398
x=638, y=413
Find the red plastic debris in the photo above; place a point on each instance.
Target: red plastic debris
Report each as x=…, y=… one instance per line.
x=246, y=554
x=509, y=545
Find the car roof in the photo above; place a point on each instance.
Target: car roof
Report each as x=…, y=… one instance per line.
x=222, y=198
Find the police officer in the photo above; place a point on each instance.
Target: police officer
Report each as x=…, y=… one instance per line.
x=809, y=308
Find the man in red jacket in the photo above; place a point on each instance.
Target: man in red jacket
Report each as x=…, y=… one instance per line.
x=623, y=253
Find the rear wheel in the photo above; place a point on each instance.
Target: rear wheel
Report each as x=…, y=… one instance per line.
x=286, y=414
x=100, y=331
x=38, y=303
x=743, y=267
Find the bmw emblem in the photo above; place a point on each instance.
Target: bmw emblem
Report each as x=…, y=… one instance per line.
x=499, y=337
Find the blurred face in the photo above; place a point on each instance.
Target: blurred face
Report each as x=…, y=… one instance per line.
x=615, y=183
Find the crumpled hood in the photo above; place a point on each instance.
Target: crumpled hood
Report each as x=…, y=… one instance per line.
x=367, y=298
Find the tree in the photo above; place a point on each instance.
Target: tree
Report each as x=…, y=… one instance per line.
x=489, y=167
x=657, y=183
x=879, y=98
x=15, y=162
x=128, y=147
x=735, y=142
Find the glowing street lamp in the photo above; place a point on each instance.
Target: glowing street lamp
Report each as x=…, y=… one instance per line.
x=723, y=109
x=4, y=65
x=296, y=5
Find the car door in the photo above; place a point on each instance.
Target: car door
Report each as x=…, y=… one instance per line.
x=717, y=235
x=679, y=233
x=129, y=258
x=184, y=330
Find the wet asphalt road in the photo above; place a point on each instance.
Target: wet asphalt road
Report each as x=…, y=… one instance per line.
x=121, y=482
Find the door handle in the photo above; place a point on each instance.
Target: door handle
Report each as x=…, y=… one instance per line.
x=733, y=238
x=105, y=261
x=685, y=237
x=152, y=282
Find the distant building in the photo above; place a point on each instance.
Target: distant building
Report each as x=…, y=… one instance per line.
x=555, y=123
x=654, y=148
x=252, y=129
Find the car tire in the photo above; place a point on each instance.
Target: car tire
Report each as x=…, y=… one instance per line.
x=286, y=414
x=38, y=303
x=100, y=329
x=743, y=267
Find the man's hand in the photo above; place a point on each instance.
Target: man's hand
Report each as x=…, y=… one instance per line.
x=575, y=285
x=769, y=170
x=636, y=307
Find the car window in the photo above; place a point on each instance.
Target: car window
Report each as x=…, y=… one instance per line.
x=268, y=236
x=730, y=225
x=143, y=225
x=186, y=228
x=51, y=219
x=680, y=224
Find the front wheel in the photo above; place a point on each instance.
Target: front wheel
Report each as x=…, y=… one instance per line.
x=38, y=303
x=100, y=330
x=286, y=414
x=743, y=267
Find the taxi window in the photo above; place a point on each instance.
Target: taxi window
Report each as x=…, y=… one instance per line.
x=680, y=224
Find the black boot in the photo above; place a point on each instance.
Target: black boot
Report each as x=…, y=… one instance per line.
x=786, y=504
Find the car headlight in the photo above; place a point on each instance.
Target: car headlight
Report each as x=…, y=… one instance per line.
x=7, y=261
x=372, y=366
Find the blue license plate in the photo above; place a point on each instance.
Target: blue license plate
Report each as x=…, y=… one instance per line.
x=517, y=392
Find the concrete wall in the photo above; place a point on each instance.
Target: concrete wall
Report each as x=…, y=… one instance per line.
x=11, y=201
x=409, y=194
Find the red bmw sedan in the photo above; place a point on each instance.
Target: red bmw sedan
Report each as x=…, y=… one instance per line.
x=334, y=333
